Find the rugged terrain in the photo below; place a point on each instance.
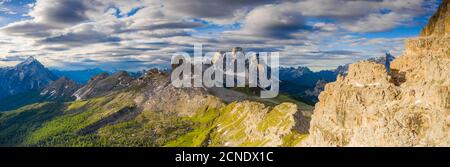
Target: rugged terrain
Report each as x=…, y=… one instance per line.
x=306, y=85
x=26, y=76
x=115, y=110
x=408, y=107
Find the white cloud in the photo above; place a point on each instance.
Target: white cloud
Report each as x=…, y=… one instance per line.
x=325, y=26
x=278, y=21
x=82, y=33
x=376, y=22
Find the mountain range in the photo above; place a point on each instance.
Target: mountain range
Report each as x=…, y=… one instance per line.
x=79, y=76
x=306, y=85
x=119, y=110
x=99, y=112
x=30, y=77
x=375, y=102
x=25, y=76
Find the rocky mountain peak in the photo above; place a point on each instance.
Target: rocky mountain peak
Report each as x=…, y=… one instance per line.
x=61, y=89
x=98, y=77
x=29, y=60
x=367, y=73
x=25, y=76
x=103, y=84
x=30, y=63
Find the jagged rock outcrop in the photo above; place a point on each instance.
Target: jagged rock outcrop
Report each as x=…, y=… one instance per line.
x=303, y=83
x=156, y=93
x=409, y=107
x=61, y=89
x=439, y=23
x=103, y=84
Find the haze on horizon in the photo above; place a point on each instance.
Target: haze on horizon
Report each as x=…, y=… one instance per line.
x=134, y=35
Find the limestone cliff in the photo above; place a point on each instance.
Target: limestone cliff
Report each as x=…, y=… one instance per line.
x=409, y=107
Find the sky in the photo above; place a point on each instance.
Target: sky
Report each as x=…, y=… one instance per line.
x=140, y=34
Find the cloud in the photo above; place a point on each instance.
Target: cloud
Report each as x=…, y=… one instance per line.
x=164, y=33
x=13, y=58
x=376, y=22
x=27, y=28
x=217, y=11
x=275, y=21
x=364, y=15
x=51, y=15
x=164, y=24
x=63, y=12
x=81, y=35
x=341, y=52
x=144, y=33
x=325, y=26
x=6, y=10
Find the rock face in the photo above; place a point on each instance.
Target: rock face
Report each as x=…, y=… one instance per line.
x=26, y=76
x=409, y=107
x=61, y=89
x=303, y=83
x=439, y=24
x=103, y=84
x=156, y=93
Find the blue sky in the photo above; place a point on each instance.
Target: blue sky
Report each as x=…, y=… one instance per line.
x=134, y=35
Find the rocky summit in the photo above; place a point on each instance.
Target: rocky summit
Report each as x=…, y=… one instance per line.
x=61, y=89
x=102, y=84
x=408, y=107
x=25, y=76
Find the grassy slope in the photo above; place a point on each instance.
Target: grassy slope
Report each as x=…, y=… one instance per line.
x=16, y=101
x=18, y=124
x=61, y=124
x=277, y=100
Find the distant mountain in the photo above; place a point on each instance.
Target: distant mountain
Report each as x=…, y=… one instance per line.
x=302, y=76
x=304, y=84
x=26, y=76
x=120, y=110
x=79, y=76
x=384, y=60
x=150, y=111
x=297, y=81
x=60, y=90
x=103, y=84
